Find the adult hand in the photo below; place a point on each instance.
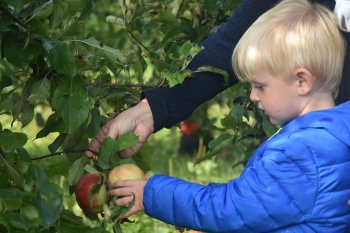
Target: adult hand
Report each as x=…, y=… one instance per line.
x=138, y=119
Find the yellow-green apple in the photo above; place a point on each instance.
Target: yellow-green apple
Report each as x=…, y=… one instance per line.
x=127, y=171
x=82, y=193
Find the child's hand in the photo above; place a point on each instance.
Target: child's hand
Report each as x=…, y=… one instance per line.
x=124, y=190
x=181, y=229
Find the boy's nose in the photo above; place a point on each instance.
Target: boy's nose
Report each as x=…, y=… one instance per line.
x=253, y=96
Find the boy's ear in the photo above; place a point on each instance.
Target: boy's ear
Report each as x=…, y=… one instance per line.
x=305, y=80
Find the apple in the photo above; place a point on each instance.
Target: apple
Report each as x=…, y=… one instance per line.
x=127, y=171
x=82, y=193
x=189, y=127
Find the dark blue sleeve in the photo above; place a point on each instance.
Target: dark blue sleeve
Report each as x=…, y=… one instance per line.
x=172, y=105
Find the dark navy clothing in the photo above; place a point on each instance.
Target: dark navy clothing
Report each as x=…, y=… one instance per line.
x=172, y=105
x=296, y=181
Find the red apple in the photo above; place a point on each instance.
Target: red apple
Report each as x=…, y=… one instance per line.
x=189, y=127
x=125, y=172
x=82, y=193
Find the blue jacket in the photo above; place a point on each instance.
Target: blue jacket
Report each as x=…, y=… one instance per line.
x=296, y=181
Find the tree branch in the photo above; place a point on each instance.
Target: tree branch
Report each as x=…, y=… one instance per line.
x=63, y=152
x=11, y=16
x=139, y=42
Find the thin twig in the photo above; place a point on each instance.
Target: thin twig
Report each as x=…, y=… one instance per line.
x=10, y=15
x=139, y=42
x=63, y=152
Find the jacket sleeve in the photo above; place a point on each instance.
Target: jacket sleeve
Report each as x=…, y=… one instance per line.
x=276, y=191
x=172, y=105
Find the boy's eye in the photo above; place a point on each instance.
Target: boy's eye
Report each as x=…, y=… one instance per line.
x=260, y=87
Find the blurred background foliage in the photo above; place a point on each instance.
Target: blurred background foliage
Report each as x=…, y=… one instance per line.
x=115, y=49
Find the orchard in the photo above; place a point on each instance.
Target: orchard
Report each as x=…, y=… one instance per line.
x=69, y=66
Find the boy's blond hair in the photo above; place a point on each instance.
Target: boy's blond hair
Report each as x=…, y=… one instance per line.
x=294, y=34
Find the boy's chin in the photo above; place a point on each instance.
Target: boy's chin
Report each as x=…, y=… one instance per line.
x=273, y=121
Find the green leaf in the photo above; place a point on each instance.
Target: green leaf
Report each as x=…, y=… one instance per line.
x=12, y=51
x=211, y=6
x=77, y=170
x=72, y=103
x=5, y=81
x=40, y=91
x=44, y=10
x=29, y=211
x=57, y=17
x=50, y=202
x=230, y=5
x=74, y=228
x=91, y=169
x=113, y=55
x=53, y=124
x=59, y=168
x=186, y=26
x=74, y=138
x=108, y=154
x=37, y=27
x=143, y=158
x=207, y=156
x=14, y=173
x=27, y=115
x=17, y=4
x=17, y=194
x=159, y=65
x=268, y=127
x=127, y=140
x=167, y=17
x=22, y=103
x=87, y=10
x=4, y=183
x=174, y=78
x=9, y=72
x=115, y=20
x=74, y=29
x=69, y=217
x=81, y=146
x=23, y=155
x=173, y=34
x=31, y=51
x=74, y=6
x=10, y=141
x=11, y=204
x=95, y=123
x=59, y=56
x=57, y=143
x=229, y=122
x=215, y=70
x=214, y=143
x=21, y=222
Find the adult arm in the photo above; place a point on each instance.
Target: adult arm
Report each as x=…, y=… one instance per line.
x=172, y=105
x=164, y=107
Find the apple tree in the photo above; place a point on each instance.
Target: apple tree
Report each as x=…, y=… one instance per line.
x=70, y=66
